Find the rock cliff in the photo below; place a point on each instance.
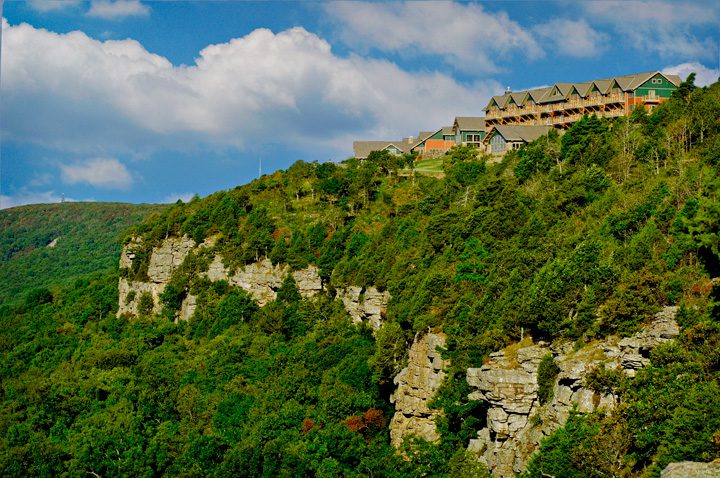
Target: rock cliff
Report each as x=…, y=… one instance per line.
x=364, y=305
x=164, y=259
x=260, y=279
x=416, y=386
x=517, y=421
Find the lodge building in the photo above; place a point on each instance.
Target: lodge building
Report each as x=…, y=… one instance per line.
x=515, y=118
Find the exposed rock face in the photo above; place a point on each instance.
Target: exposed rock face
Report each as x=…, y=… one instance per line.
x=168, y=257
x=416, y=386
x=365, y=305
x=508, y=383
x=261, y=279
x=187, y=308
x=134, y=290
x=308, y=281
x=691, y=469
x=163, y=261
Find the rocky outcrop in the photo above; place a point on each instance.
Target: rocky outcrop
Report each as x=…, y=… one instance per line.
x=130, y=292
x=167, y=257
x=416, y=386
x=164, y=259
x=691, y=469
x=364, y=305
x=308, y=281
x=516, y=421
x=260, y=279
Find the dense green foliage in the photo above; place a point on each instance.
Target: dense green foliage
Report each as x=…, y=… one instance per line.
x=577, y=236
x=86, y=236
x=546, y=375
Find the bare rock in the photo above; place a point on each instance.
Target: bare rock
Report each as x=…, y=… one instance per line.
x=508, y=383
x=260, y=279
x=416, y=386
x=350, y=297
x=129, y=293
x=187, y=309
x=128, y=252
x=691, y=469
x=217, y=270
x=308, y=281
x=364, y=305
x=167, y=257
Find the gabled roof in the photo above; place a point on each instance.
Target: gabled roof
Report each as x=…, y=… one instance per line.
x=362, y=149
x=584, y=89
x=424, y=136
x=526, y=133
x=603, y=85
x=470, y=123
x=562, y=90
x=519, y=97
x=625, y=82
x=632, y=82
x=447, y=131
x=499, y=100
x=539, y=93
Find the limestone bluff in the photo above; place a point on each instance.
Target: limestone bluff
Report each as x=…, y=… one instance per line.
x=260, y=279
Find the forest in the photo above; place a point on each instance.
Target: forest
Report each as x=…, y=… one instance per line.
x=573, y=237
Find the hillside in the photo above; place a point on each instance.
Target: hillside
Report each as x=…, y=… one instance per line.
x=52, y=244
x=325, y=301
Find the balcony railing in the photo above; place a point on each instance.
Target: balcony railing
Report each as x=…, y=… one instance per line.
x=592, y=101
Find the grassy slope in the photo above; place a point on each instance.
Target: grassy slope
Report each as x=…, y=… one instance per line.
x=88, y=240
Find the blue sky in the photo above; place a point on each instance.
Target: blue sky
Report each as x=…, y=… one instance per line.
x=153, y=101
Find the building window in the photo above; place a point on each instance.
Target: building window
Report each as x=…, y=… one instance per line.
x=497, y=144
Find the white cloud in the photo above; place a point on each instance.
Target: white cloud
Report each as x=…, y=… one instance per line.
x=174, y=197
x=665, y=28
x=117, y=9
x=102, y=172
x=465, y=36
x=572, y=37
x=78, y=94
x=44, y=6
x=704, y=75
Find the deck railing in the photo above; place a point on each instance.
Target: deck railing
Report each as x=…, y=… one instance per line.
x=592, y=101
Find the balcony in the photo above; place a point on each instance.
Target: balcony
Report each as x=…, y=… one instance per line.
x=564, y=106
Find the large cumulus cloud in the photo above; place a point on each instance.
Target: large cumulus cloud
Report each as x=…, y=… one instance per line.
x=75, y=93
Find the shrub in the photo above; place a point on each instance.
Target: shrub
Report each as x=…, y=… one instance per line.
x=547, y=372
x=146, y=304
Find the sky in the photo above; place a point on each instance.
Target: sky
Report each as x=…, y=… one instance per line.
x=135, y=101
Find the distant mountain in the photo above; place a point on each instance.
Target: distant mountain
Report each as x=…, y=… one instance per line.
x=52, y=244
